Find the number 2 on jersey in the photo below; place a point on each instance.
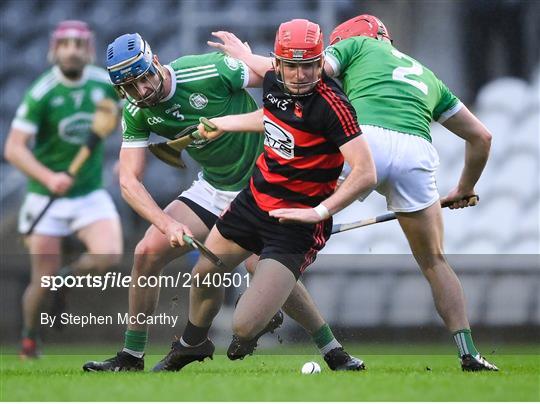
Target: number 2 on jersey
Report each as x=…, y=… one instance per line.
x=416, y=69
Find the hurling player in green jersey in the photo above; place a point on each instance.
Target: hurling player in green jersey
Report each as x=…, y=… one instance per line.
x=166, y=100
x=56, y=114
x=395, y=99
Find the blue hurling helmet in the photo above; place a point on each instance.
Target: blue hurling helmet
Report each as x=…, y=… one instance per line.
x=130, y=60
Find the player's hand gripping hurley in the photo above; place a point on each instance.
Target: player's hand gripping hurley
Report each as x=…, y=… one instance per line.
x=338, y=228
x=104, y=123
x=170, y=152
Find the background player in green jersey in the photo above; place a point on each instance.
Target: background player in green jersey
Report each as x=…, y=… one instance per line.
x=395, y=99
x=56, y=113
x=166, y=100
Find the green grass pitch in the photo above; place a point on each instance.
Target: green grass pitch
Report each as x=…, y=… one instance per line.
x=263, y=377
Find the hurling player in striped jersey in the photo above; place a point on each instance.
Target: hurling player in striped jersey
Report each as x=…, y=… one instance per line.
x=284, y=215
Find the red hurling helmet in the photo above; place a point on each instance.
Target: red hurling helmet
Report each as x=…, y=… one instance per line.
x=362, y=25
x=298, y=41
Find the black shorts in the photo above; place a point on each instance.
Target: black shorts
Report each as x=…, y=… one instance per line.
x=293, y=245
x=208, y=218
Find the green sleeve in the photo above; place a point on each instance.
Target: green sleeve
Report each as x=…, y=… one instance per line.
x=233, y=72
x=341, y=55
x=30, y=114
x=448, y=104
x=135, y=132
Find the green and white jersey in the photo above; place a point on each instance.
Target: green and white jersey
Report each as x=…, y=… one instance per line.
x=208, y=85
x=59, y=112
x=388, y=88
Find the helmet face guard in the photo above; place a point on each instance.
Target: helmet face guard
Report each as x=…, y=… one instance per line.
x=299, y=45
x=311, y=68
x=131, y=66
x=130, y=89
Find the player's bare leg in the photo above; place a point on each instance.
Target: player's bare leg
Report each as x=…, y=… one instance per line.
x=153, y=253
x=45, y=261
x=299, y=306
x=302, y=309
x=204, y=304
x=104, y=246
x=424, y=231
x=270, y=287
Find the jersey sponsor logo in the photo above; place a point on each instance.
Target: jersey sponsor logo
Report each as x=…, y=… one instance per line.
x=278, y=139
x=124, y=125
x=231, y=63
x=155, y=120
x=57, y=101
x=171, y=109
x=75, y=128
x=198, y=100
x=281, y=104
x=174, y=111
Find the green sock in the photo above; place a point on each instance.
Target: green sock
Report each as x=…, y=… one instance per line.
x=325, y=340
x=465, y=343
x=135, y=341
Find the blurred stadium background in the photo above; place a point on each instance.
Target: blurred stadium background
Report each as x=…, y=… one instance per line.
x=486, y=51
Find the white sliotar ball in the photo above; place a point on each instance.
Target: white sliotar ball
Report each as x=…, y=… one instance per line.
x=310, y=368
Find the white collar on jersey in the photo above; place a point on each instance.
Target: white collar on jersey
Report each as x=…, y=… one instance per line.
x=173, y=84
x=67, y=82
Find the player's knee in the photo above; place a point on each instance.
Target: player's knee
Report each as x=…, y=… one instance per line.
x=432, y=262
x=246, y=327
x=146, y=257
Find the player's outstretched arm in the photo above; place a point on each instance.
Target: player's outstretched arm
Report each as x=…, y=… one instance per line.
x=250, y=122
x=18, y=153
x=234, y=47
x=132, y=164
x=362, y=177
x=478, y=143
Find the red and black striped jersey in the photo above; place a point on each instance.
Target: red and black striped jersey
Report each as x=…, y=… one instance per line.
x=301, y=161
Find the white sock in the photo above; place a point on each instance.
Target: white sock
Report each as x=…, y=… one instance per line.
x=328, y=347
x=133, y=353
x=184, y=343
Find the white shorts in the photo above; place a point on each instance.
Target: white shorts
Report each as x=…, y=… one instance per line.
x=208, y=197
x=66, y=215
x=406, y=166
